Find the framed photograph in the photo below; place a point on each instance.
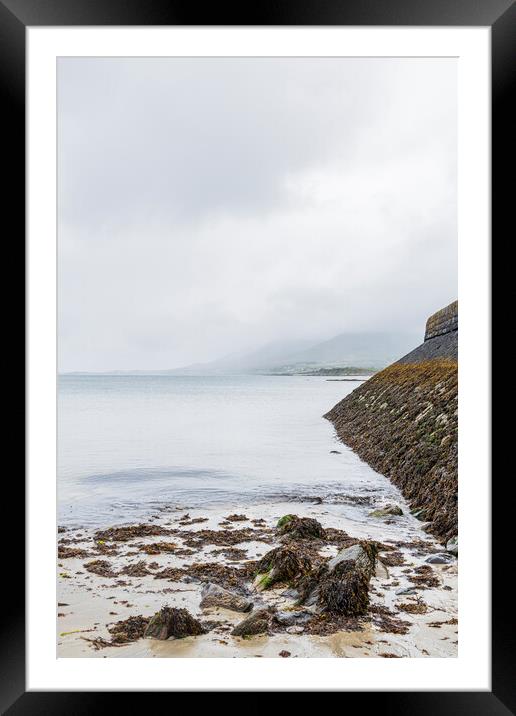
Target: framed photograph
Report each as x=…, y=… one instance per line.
x=255, y=439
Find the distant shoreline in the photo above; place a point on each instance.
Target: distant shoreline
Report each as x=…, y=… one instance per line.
x=322, y=372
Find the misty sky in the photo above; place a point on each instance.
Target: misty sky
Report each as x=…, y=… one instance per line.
x=207, y=206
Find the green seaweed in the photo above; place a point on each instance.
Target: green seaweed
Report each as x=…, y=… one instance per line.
x=284, y=520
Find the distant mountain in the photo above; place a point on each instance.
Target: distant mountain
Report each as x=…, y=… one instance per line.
x=267, y=356
x=371, y=351
x=360, y=350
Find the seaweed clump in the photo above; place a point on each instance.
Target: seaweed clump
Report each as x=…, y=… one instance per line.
x=124, y=534
x=225, y=538
x=68, y=552
x=226, y=576
x=417, y=607
x=341, y=585
x=100, y=567
x=345, y=591
x=236, y=518
x=177, y=623
x=128, y=630
x=158, y=547
x=258, y=622
x=424, y=578
x=301, y=528
x=138, y=569
x=281, y=564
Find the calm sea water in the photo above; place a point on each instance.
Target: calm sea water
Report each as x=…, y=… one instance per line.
x=129, y=444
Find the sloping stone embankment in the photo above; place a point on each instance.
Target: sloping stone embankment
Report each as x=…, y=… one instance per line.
x=403, y=422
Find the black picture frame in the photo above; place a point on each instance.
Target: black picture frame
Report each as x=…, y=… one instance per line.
x=500, y=15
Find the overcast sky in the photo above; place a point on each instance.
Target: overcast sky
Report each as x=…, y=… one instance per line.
x=208, y=206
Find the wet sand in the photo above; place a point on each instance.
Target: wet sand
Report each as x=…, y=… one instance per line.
x=88, y=602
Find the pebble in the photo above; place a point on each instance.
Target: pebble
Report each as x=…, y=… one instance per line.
x=406, y=590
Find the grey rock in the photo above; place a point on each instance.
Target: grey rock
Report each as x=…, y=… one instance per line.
x=452, y=546
x=356, y=553
x=443, y=558
x=405, y=590
x=215, y=596
x=291, y=618
x=290, y=593
x=387, y=511
x=381, y=570
x=258, y=622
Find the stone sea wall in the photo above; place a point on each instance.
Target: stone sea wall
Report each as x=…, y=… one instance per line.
x=403, y=422
x=444, y=321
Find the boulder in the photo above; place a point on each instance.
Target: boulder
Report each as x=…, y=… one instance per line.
x=281, y=564
x=443, y=558
x=258, y=622
x=293, y=617
x=452, y=546
x=214, y=596
x=341, y=585
x=387, y=511
x=302, y=528
x=170, y=621
x=362, y=555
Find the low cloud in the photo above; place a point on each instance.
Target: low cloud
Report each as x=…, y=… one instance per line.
x=207, y=206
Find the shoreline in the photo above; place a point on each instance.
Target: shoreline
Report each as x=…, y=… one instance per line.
x=137, y=577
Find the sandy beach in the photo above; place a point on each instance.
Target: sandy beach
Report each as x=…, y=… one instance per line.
x=412, y=610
